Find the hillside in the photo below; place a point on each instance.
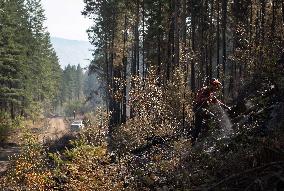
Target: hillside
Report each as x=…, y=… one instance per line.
x=72, y=52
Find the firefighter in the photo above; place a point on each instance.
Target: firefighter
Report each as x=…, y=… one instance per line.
x=74, y=114
x=204, y=98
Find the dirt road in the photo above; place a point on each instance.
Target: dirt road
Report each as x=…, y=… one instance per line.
x=56, y=128
x=51, y=129
x=6, y=151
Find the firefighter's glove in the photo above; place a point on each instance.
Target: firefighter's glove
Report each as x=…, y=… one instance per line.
x=213, y=99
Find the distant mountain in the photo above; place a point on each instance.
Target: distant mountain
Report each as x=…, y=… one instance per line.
x=72, y=52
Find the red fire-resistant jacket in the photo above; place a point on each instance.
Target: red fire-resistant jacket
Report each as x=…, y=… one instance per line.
x=205, y=96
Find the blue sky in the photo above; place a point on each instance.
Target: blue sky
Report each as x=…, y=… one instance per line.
x=64, y=19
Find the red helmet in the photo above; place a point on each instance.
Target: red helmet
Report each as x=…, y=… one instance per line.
x=215, y=83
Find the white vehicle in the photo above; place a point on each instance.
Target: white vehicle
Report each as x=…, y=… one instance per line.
x=77, y=125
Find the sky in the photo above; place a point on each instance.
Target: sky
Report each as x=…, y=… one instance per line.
x=64, y=19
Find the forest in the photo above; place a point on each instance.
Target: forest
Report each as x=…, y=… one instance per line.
x=32, y=82
x=78, y=91
x=29, y=66
x=191, y=97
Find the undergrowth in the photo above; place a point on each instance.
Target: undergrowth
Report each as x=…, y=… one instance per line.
x=153, y=151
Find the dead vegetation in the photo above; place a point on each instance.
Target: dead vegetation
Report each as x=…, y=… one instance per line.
x=154, y=152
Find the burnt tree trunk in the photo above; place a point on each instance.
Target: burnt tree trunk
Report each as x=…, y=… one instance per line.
x=224, y=26
x=193, y=85
x=124, y=63
x=218, y=39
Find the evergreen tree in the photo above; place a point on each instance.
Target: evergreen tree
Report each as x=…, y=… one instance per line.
x=13, y=32
x=29, y=66
x=224, y=39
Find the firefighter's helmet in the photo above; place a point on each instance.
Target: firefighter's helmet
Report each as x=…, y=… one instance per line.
x=215, y=83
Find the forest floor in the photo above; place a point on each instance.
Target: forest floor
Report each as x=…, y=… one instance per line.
x=46, y=130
